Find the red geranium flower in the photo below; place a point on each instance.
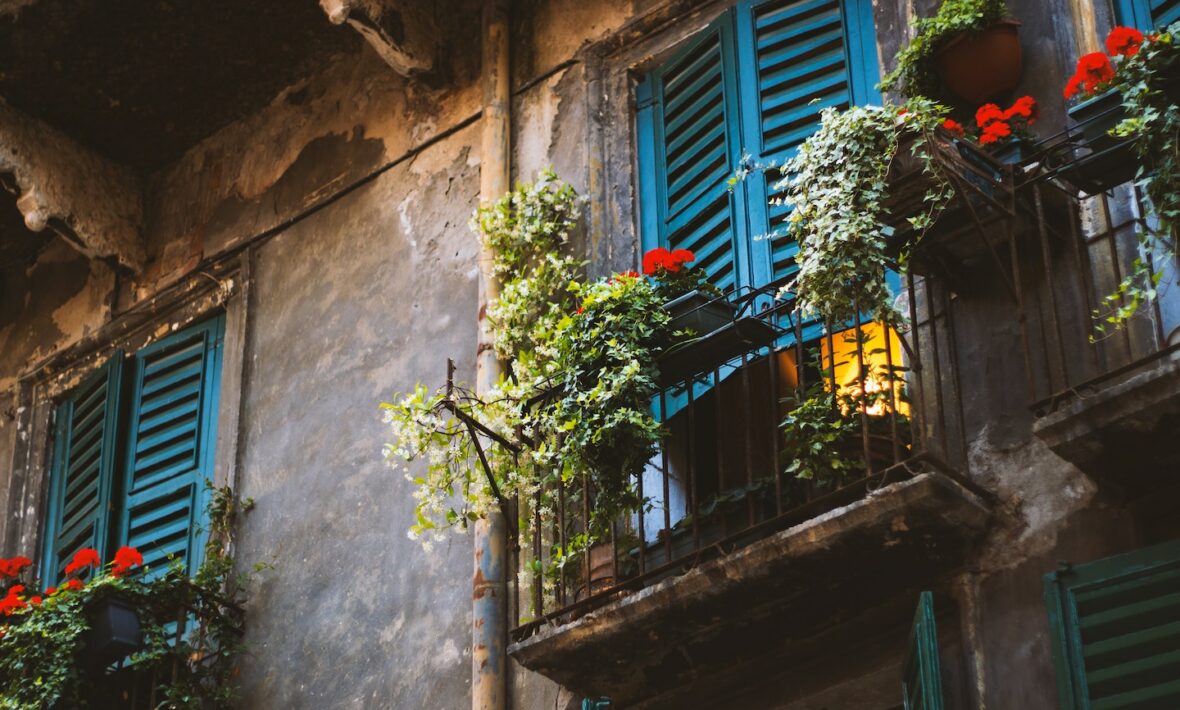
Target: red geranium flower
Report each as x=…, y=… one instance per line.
x=14, y=566
x=73, y=585
x=1124, y=41
x=580, y=310
x=994, y=131
x=1025, y=107
x=1073, y=86
x=35, y=601
x=1094, y=69
x=125, y=559
x=629, y=275
x=987, y=113
x=50, y=591
x=655, y=260
x=683, y=256
x=86, y=557
x=953, y=126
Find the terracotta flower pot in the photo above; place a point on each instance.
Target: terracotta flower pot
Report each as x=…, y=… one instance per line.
x=978, y=67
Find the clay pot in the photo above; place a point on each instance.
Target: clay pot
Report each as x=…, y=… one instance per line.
x=978, y=67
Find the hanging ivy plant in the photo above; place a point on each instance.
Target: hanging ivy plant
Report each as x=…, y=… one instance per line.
x=838, y=186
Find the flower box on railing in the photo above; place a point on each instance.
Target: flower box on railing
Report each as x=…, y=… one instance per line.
x=982, y=190
x=115, y=632
x=699, y=312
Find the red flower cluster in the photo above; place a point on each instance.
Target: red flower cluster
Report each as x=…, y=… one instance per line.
x=1124, y=41
x=1094, y=70
x=86, y=557
x=660, y=259
x=125, y=559
x=996, y=124
x=12, y=601
x=13, y=567
x=954, y=127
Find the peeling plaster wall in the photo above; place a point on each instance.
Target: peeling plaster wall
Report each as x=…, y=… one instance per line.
x=65, y=298
x=99, y=202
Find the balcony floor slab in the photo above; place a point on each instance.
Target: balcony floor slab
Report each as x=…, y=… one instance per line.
x=764, y=597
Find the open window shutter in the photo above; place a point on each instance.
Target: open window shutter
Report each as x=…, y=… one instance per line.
x=171, y=436
x=806, y=55
x=1115, y=627
x=922, y=676
x=1147, y=14
x=689, y=148
x=82, y=470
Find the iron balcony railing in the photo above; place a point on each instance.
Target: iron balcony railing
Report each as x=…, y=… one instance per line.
x=1067, y=268
x=724, y=477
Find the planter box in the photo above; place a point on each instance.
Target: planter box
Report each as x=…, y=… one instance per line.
x=699, y=312
x=1105, y=161
x=703, y=354
x=954, y=242
x=114, y=634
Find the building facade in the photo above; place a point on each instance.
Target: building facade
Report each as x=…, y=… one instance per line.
x=228, y=233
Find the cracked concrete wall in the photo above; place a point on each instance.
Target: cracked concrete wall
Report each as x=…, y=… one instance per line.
x=92, y=201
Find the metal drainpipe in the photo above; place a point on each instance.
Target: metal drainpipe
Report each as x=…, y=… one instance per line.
x=489, y=632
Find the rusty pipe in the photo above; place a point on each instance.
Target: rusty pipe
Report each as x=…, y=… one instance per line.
x=489, y=631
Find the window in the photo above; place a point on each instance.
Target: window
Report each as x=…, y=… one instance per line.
x=1147, y=14
x=132, y=449
x=1115, y=630
x=751, y=86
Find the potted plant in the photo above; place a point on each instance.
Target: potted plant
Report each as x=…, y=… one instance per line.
x=1120, y=84
x=1130, y=128
x=74, y=644
x=970, y=46
x=694, y=305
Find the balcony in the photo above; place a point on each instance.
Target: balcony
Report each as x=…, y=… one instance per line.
x=745, y=544
x=1104, y=399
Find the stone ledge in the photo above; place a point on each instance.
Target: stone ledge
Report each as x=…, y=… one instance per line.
x=1121, y=435
x=96, y=205
x=763, y=597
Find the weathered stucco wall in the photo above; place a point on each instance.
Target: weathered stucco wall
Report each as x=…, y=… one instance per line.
x=360, y=301
x=349, y=195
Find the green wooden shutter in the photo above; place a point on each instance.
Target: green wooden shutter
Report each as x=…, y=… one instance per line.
x=1115, y=628
x=170, y=445
x=82, y=470
x=689, y=148
x=1147, y=14
x=805, y=56
x=922, y=675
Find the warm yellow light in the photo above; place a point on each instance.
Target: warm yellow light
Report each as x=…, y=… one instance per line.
x=876, y=361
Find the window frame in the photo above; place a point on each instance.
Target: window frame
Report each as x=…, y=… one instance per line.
x=124, y=370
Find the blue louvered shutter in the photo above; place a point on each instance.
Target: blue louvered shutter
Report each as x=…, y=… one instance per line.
x=82, y=470
x=170, y=445
x=922, y=672
x=1115, y=628
x=805, y=56
x=1147, y=14
x=689, y=149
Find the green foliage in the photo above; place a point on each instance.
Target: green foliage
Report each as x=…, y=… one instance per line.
x=914, y=74
x=1153, y=126
x=576, y=404
x=42, y=658
x=838, y=186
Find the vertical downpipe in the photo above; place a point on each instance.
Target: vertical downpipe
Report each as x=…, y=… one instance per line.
x=489, y=633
